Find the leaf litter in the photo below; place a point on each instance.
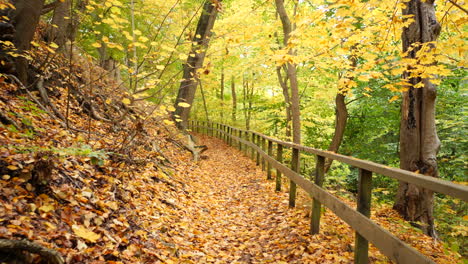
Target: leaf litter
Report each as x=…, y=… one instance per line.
x=129, y=192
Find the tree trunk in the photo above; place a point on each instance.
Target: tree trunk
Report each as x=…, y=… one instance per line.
x=60, y=29
x=25, y=19
x=292, y=74
x=221, y=92
x=247, y=92
x=341, y=118
x=195, y=61
x=419, y=143
x=287, y=99
x=234, y=99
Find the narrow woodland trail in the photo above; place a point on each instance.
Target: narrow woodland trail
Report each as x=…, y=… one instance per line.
x=235, y=216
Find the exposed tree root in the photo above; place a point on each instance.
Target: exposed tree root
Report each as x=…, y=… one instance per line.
x=17, y=251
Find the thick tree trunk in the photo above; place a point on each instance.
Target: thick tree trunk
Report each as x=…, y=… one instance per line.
x=234, y=99
x=60, y=29
x=419, y=143
x=25, y=19
x=195, y=61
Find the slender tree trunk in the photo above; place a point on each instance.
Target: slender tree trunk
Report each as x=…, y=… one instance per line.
x=292, y=73
x=234, y=99
x=287, y=99
x=25, y=19
x=419, y=143
x=247, y=92
x=195, y=61
x=221, y=92
x=60, y=29
x=341, y=118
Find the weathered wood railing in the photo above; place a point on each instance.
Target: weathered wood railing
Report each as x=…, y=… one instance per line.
x=260, y=149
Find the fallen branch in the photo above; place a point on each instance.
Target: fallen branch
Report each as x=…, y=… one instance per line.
x=49, y=255
x=195, y=149
x=6, y=120
x=46, y=100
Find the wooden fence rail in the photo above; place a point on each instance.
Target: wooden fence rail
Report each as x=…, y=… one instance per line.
x=260, y=149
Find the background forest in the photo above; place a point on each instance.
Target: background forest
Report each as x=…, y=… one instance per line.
x=349, y=65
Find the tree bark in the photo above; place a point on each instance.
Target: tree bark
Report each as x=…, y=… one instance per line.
x=234, y=99
x=25, y=19
x=341, y=118
x=247, y=91
x=287, y=99
x=60, y=28
x=419, y=142
x=221, y=92
x=291, y=73
x=195, y=60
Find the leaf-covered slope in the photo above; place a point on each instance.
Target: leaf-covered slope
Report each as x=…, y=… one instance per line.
x=103, y=190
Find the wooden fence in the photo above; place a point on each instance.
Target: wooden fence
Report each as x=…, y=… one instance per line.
x=260, y=148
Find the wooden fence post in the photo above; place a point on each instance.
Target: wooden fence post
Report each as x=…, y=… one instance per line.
x=263, y=147
x=316, y=205
x=239, y=143
x=279, y=158
x=270, y=154
x=241, y=146
x=223, y=136
x=361, y=248
x=292, y=184
x=226, y=137
x=226, y=130
x=252, y=140
x=257, y=142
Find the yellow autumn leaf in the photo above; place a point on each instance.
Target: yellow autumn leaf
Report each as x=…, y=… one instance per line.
x=85, y=233
x=46, y=208
x=393, y=98
x=53, y=45
x=126, y=101
x=12, y=167
x=168, y=122
x=170, y=108
x=160, y=67
x=184, y=105
x=96, y=45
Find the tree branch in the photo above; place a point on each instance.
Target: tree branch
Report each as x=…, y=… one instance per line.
x=459, y=6
x=49, y=7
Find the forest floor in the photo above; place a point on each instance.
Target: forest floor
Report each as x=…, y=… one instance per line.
x=118, y=185
x=235, y=216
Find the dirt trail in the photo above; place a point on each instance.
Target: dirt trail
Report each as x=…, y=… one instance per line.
x=235, y=216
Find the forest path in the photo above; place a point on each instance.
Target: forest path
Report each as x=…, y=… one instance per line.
x=235, y=216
